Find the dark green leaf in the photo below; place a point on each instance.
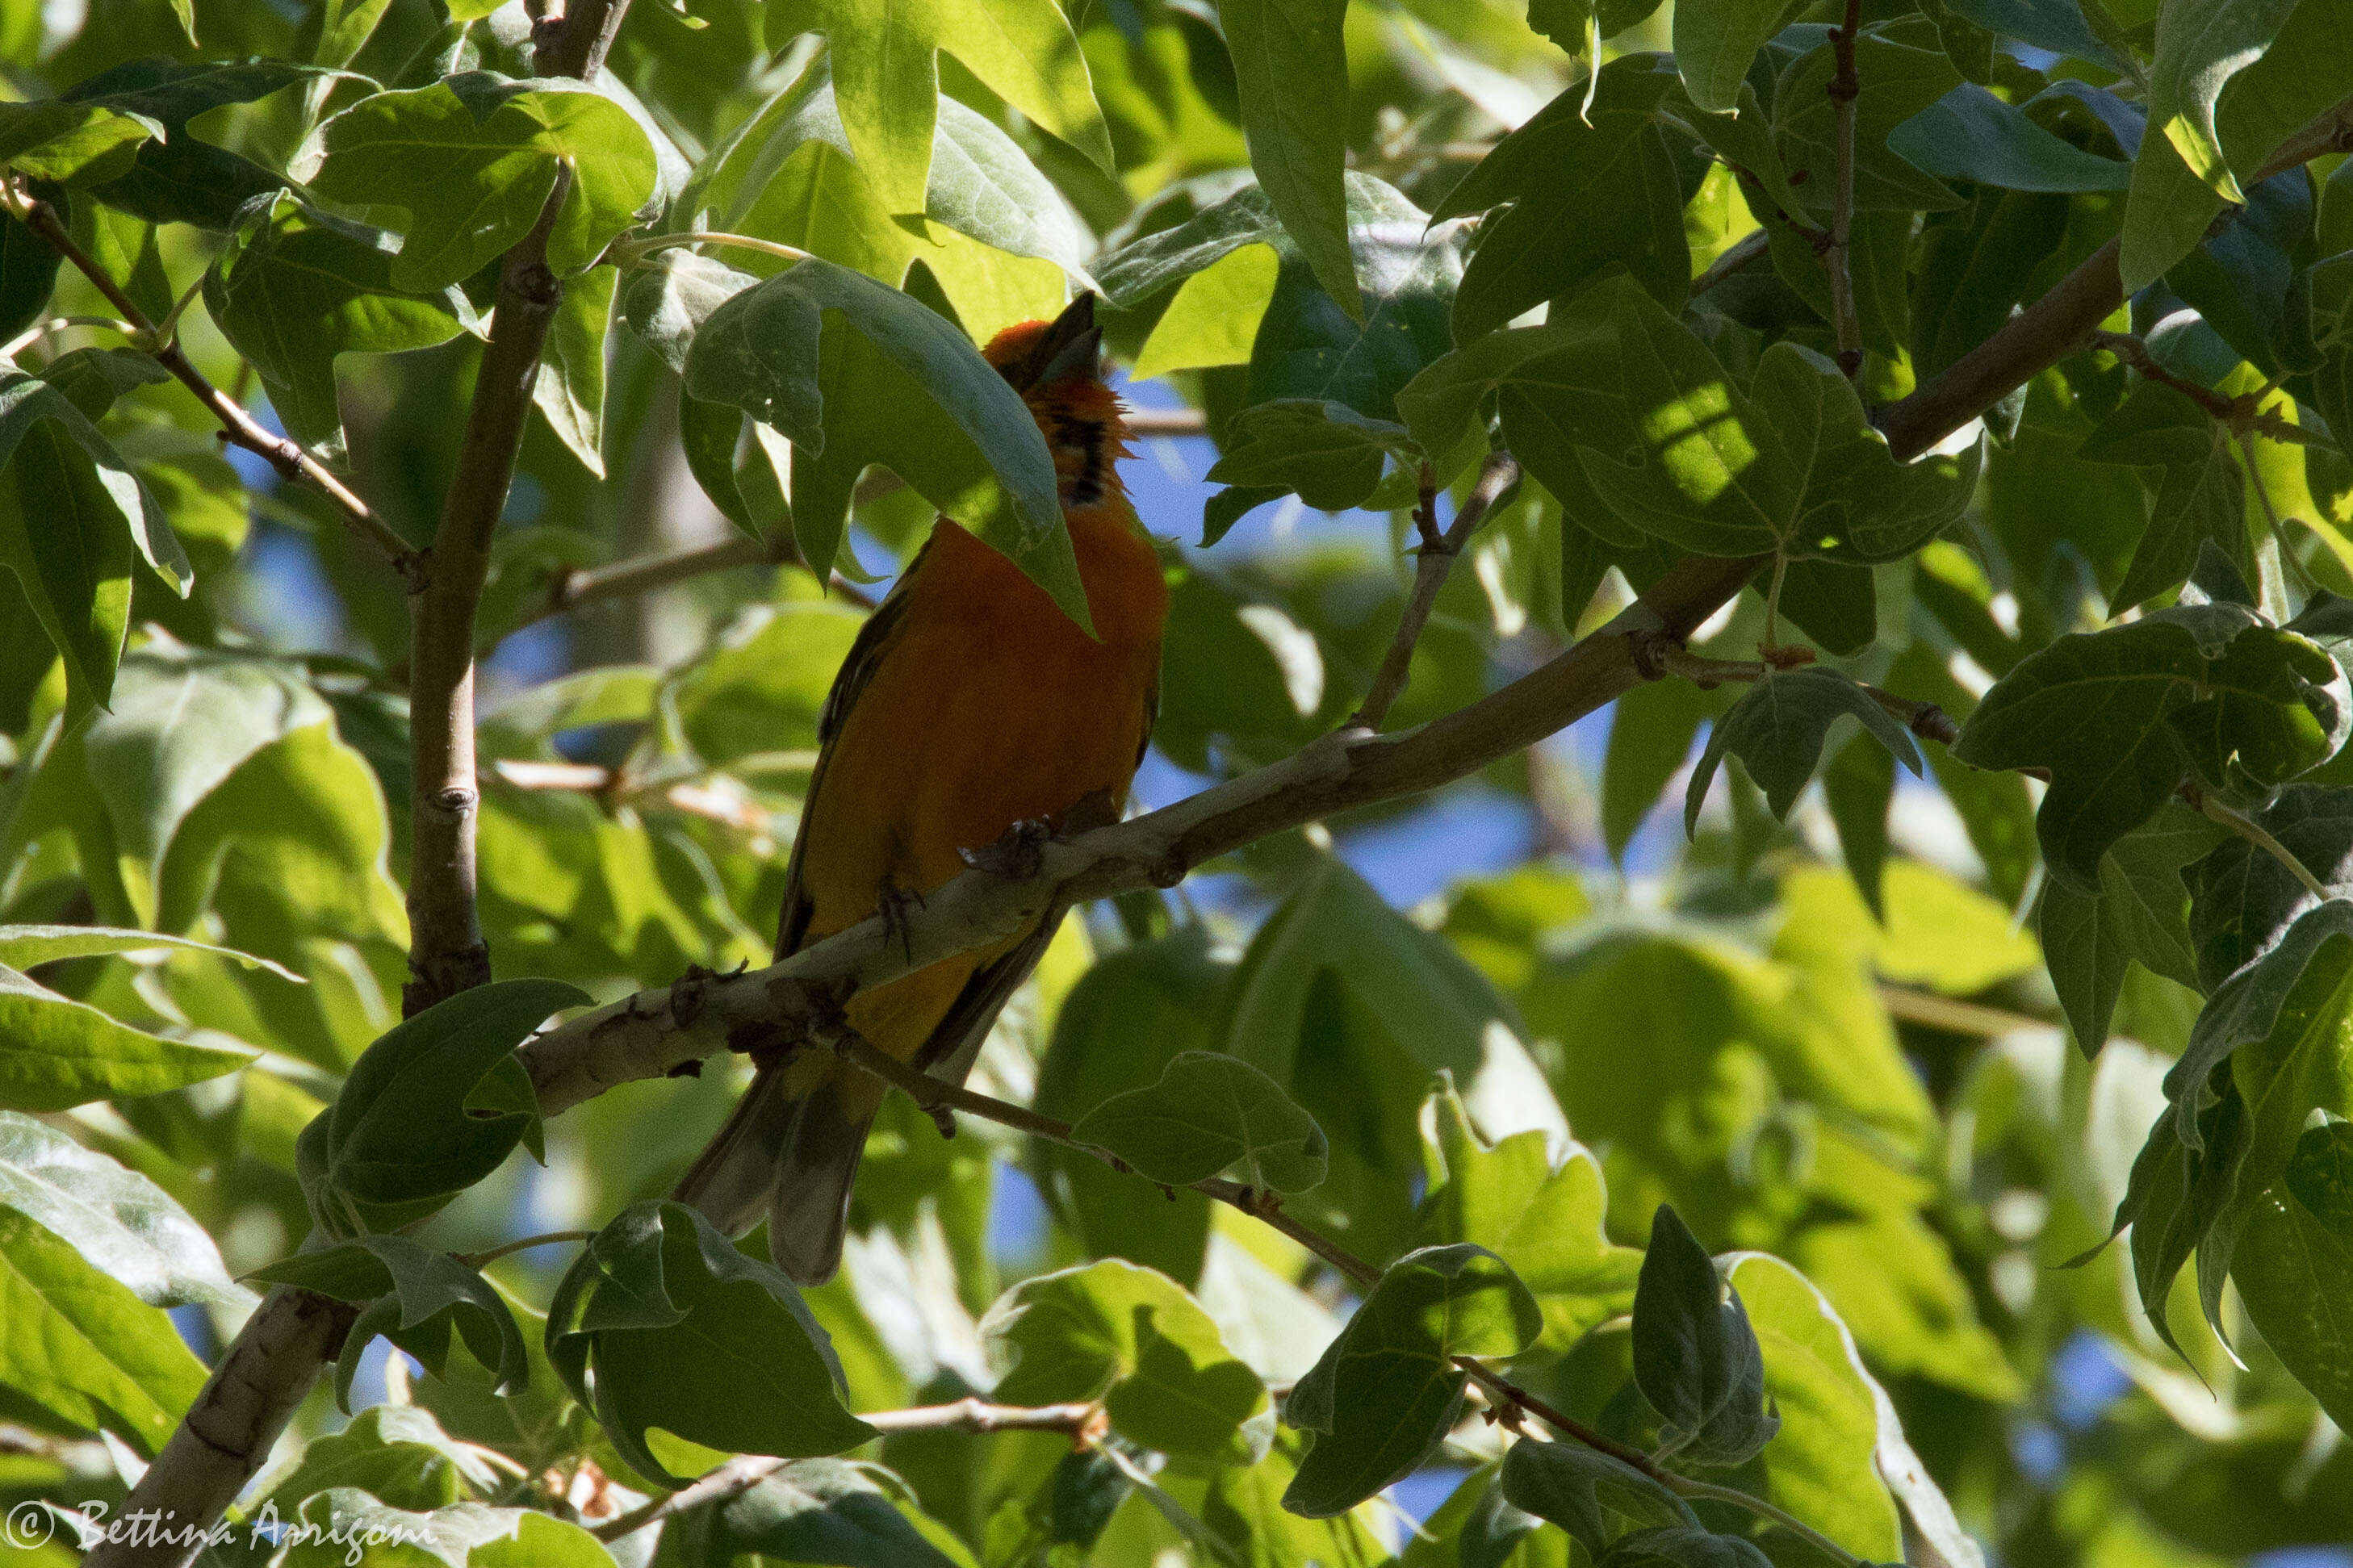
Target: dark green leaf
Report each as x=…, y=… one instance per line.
x=1588, y=187
x=1859, y=786
x=1387, y=1389
x=1695, y=1356
x=662, y=1322
x=429, y=1109
x=855, y=373
x=2202, y=499
x=70, y=142
x=1777, y=730
x=1969, y=135
x=2118, y=716
x=177, y=176
x=1293, y=74
x=1327, y=452
x=817, y=1511
x=1902, y=70
x=1593, y=1497
x=2241, y=898
x=295, y=288
x=2294, y=1269
x=1651, y=734
x=1682, y=1549
x=2137, y=913
x=1208, y=1112
x=420, y=1294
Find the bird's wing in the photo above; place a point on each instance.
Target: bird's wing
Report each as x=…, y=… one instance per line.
x=955, y=1042
x=866, y=656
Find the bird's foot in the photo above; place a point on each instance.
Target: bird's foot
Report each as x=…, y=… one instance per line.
x=1017, y=854
x=895, y=906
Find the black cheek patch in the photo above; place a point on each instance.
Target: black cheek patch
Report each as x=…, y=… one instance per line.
x=1086, y=438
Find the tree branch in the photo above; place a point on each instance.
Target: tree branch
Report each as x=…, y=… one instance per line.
x=1845, y=87
x=446, y=953
x=653, y=1033
x=1436, y=559
x=237, y=427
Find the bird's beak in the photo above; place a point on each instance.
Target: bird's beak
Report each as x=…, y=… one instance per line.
x=1072, y=346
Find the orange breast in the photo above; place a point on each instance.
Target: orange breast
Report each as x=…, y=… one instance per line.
x=989, y=707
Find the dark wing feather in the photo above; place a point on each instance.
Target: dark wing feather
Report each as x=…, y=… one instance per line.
x=865, y=657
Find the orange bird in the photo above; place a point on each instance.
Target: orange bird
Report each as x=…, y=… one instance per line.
x=969, y=703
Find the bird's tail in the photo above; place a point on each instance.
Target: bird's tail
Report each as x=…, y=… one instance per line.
x=789, y=1154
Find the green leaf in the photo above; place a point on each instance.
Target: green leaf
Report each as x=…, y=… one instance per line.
x=2201, y=501
x=2242, y=898
x=396, y=1453
x=461, y=1535
x=884, y=64
x=28, y=270
x=536, y=1425
x=1542, y=1216
x=1131, y=1338
x=418, y=1294
x=662, y=1322
x=1651, y=734
x=1215, y=316
x=1695, y=1355
x=820, y=1510
x=1331, y=455
x=429, y=1109
x=56, y=1054
x=855, y=373
x=1622, y=410
x=2057, y=26
x=1293, y=73
x=2137, y=913
x=2117, y=717
x=295, y=288
x=570, y=388
x=1969, y=135
x=1859, y=786
x=177, y=176
x=472, y=158
x=1975, y=268
x=2294, y=1269
x=1593, y=1497
x=71, y=513
x=1714, y=43
x=2200, y=45
x=788, y=175
x=1823, y=1465
x=70, y=142
x=118, y=1220
x=1777, y=730
x=1588, y=187
x=1387, y=1389
x=81, y=1353
x=1206, y=1113
x=1682, y=1549
x=2268, y=1000
x=22, y=947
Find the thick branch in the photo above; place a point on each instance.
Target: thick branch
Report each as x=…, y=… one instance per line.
x=1430, y=569
x=1845, y=87
x=446, y=950
x=237, y=427
x=2057, y=324
x=653, y=1033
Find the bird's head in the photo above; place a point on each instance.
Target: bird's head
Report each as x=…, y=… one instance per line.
x=1057, y=367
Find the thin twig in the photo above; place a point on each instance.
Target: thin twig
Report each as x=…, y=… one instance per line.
x=1435, y=561
x=1845, y=87
x=1953, y=1016
x=1510, y=1395
x=1151, y=424
x=569, y=590
x=1924, y=719
x=741, y=1474
x=2135, y=353
x=55, y=324
x=237, y=427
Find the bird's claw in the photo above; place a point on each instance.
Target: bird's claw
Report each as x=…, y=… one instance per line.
x=1018, y=853
x=893, y=905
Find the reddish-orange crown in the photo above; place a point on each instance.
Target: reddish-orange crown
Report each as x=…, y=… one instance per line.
x=1056, y=364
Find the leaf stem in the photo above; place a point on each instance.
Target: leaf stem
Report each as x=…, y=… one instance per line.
x=1758, y=1505
x=237, y=427
x=1430, y=568
x=1771, y=638
x=627, y=252
x=1924, y=719
x=2256, y=833
x=1845, y=87
x=482, y=1259
x=55, y=324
